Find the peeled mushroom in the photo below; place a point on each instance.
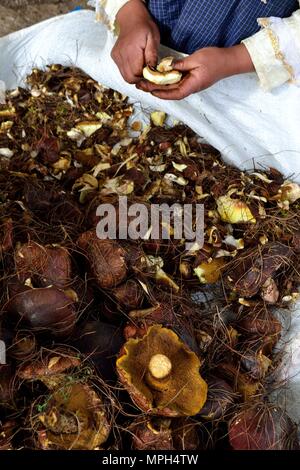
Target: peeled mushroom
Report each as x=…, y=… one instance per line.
x=165, y=65
x=163, y=74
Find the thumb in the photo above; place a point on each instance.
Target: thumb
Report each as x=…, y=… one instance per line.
x=186, y=64
x=151, y=51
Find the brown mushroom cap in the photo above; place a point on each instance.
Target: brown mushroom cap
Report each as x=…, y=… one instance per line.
x=247, y=275
x=130, y=294
x=44, y=309
x=161, y=351
x=51, y=265
x=52, y=365
x=50, y=368
x=263, y=427
x=106, y=259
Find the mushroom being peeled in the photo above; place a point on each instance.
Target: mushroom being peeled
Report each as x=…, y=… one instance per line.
x=163, y=74
x=165, y=65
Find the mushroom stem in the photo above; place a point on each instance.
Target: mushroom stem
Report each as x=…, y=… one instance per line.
x=160, y=366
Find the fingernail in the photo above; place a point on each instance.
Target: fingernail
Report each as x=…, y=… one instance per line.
x=177, y=63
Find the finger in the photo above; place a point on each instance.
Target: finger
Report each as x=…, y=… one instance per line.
x=151, y=49
x=129, y=75
x=115, y=56
x=185, y=88
x=148, y=86
x=130, y=70
x=186, y=64
x=135, y=62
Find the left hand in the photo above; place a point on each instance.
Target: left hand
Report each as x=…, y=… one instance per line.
x=204, y=68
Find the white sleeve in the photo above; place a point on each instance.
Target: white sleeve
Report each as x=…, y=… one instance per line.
x=275, y=51
x=106, y=11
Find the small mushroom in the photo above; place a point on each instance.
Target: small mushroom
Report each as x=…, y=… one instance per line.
x=259, y=322
x=130, y=294
x=255, y=361
x=219, y=398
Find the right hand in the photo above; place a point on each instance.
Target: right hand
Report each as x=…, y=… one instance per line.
x=138, y=42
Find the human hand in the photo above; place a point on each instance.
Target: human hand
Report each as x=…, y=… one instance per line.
x=203, y=68
x=138, y=41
